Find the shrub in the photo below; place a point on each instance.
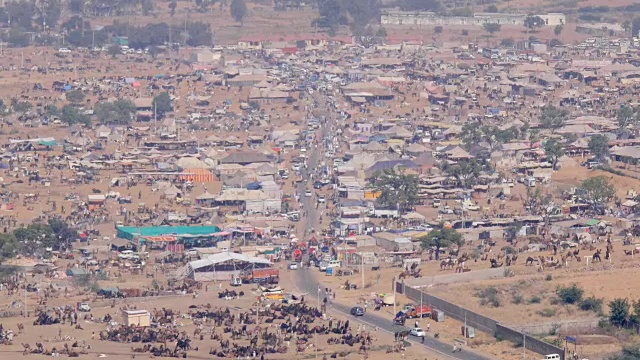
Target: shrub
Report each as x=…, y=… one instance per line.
x=549, y=277
x=489, y=296
x=517, y=299
x=570, y=295
x=535, y=300
x=547, y=312
x=591, y=304
x=554, y=301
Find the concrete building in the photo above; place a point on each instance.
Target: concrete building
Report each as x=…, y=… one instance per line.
x=136, y=318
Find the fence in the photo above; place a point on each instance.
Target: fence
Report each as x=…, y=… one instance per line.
x=478, y=321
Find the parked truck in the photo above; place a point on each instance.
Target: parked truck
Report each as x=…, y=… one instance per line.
x=413, y=311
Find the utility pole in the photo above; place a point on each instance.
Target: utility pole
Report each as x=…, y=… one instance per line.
x=25, y=295
x=394, y=296
x=362, y=262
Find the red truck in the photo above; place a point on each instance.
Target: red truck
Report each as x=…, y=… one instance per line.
x=413, y=311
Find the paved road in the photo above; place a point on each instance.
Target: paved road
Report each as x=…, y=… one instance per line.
x=305, y=282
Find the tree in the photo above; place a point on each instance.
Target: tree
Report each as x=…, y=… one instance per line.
x=70, y=115
x=635, y=27
x=537, y=202
x=117, y=112
x=238, y=10
x=532, y=22
x=162, y=104
x=438, y=29
x=22, y=13
x=626, y=25
x=465, y=171
x=491, y=28
x=628, y=353
x=75, y=96
x=553, y=150
x=441, y=238
x=76, y=6
x=599, y=146
x=50, y=14
x=114, y=50
x=635, y=317
x=492, y=9
x=558, y=30
x=420, y=5
x=20, y=106
x=64, y=233
x=397, y=189
x=552, y=117
x=172, y=6
x=599, y=190
x=9, y=247
x=619, y=312
x=627, y=116
x=555, y=43
x=19, y=38
x=570, y=295
x=508, y=42
x=199, y=34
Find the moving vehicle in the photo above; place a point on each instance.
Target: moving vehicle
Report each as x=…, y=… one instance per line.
x=293, y=266
x=331, y=264
x=357, y=311
x=552, y=357
x=307, y=193
x=321, y=199
x=417, y=332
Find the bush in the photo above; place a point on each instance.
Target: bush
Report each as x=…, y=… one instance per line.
x=535, y=300
x=547, y=312
x=517, y=299
x=549, y=277
x=591, y=304
x=554, y=301
x=489, y=296
x=465, y=32
x=570, y=295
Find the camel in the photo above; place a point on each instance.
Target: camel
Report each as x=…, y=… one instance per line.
x=446, y=263
x=530, y=261
x=494, y=264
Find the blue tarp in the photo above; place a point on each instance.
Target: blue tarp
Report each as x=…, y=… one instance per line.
x=254, y=186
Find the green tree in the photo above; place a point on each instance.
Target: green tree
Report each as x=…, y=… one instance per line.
x=628, y=353
x=492, y=9
x=114, y=50
x=22, y=13
x=162, y=104
x=117, y=112
x=491, y=28
x=70, y=115
x=397, y=189
x=553, y=150
x=570, y=295
x=558, y=30
x=635, y=317
x=441, y=238
x=238, y=10
x=552, y=118
x=508, y=42
x=18, y=37
x=75, y=96
x=536, y=201
x=532, y=22
x=9, y=247
x=627, y=116
x=172, y=6
x=199, y=34
x=599, y=190
x=420, y=5
x=63, y=232
x=20, y=106
x=50, y=14
x=465, y=171
x=599, y=146
x=619, y=312
x=626, y=25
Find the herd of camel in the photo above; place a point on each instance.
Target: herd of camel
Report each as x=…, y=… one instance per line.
x=541, y=261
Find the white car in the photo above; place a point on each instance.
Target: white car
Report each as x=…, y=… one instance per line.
x=64, y=50
x=307, y=193
x=417, y=332
x=293, y=266
x=321, y=199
